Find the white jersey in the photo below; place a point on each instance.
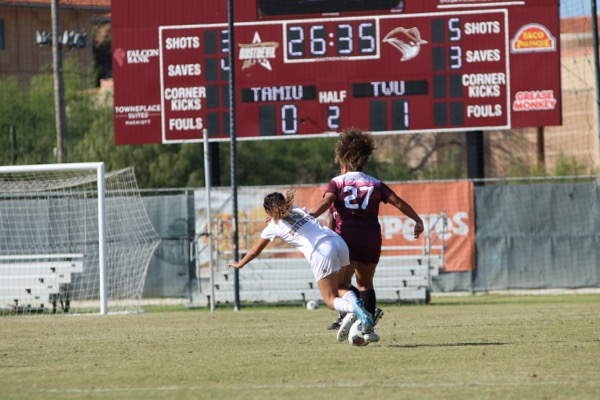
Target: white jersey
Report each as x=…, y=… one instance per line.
x=299, y=229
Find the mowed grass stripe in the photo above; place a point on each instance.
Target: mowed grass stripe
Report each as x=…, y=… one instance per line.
x=479, y=347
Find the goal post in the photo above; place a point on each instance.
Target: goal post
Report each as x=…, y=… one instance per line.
x=72, y=234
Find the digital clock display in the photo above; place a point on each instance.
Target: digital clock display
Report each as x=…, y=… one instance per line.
x=419, y=70
x=346, y=40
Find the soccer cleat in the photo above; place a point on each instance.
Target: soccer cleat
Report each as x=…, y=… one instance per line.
x=371, y=337
x=337, y=323
x=342, y=334
x=377, y=316
x=365, y=316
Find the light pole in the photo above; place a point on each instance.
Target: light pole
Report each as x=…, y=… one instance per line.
x=59, y=87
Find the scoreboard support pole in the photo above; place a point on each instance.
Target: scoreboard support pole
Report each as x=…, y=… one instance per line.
x=541, y=154
x=215, y=163
x=475, y=159
x=233, y=149
x=596, y=61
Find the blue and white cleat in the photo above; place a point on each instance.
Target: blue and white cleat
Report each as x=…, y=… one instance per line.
x=342, y=334
x=377, y=315
x=371, y=337
x=365, y=316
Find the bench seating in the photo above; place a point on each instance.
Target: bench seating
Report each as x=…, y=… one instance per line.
x=31, y=281
x=398, y=279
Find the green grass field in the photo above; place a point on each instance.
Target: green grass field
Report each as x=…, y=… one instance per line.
x=482, y=347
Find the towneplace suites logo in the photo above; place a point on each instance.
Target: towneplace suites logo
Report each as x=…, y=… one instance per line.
x=258, y=52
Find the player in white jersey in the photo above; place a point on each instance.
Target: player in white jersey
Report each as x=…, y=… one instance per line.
x=324, y=249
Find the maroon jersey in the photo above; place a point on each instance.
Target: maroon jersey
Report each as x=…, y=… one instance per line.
x=356, y=211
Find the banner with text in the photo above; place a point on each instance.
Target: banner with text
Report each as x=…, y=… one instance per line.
x=430, y=200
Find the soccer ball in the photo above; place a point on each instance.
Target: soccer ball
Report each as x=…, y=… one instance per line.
x=355, y=336
x=312, y=304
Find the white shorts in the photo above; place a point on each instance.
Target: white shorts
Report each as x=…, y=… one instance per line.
x=330, y=254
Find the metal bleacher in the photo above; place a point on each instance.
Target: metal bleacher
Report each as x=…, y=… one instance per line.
x=281, y=275
x=280, y=280
x=29, y=282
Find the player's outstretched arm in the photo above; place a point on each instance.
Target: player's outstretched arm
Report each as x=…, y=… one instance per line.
x=254, y=252
x=407, y=210
x=326, y=201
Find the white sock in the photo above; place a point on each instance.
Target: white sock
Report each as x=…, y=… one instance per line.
x=350, y=296
x=343, y=305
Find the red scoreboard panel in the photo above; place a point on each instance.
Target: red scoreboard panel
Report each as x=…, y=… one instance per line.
x=311, y=68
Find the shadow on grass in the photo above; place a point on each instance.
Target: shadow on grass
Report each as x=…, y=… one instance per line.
x=411, y=346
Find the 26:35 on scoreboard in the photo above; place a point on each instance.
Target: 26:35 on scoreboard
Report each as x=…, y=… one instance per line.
x=475, y=67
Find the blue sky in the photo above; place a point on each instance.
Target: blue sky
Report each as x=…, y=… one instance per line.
x=571, y=8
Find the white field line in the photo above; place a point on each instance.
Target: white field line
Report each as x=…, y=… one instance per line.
x=221, y=387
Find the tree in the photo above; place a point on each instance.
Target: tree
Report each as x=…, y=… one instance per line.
x=101, y=48
x=31, y=113
x=290, y=161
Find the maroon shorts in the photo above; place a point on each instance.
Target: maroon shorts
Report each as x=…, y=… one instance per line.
x=364, y=244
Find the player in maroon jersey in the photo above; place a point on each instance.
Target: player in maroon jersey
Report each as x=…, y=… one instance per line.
x=353, y=199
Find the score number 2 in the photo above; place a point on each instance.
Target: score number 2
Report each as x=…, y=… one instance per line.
x=333, y=117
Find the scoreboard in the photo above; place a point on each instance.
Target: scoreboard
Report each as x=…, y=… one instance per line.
x=313, y=68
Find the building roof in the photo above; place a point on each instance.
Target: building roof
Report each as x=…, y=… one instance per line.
x=580, y=24
x=82, y=4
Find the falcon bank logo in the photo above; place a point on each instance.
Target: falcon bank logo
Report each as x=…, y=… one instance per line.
x=258, y=52
x=142, y=56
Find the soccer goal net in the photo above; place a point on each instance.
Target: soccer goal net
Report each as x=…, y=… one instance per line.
x=72, y=239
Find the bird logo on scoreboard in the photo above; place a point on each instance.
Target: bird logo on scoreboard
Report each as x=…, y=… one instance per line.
x=407, y=41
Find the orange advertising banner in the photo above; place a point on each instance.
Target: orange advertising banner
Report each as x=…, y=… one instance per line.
x=430, y=200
